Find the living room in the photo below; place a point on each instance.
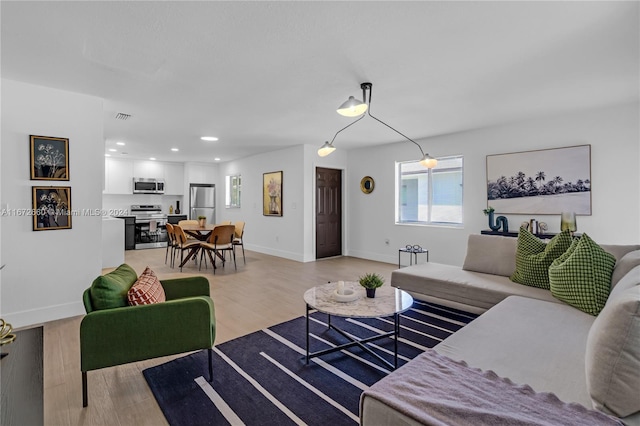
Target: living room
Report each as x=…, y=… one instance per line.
x=46, y=272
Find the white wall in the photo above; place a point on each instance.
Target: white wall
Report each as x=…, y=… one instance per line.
x=293, y=235
x=612, y=132
x=47, y=271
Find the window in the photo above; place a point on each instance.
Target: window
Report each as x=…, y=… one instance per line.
x=233, y=189
x=430, y=196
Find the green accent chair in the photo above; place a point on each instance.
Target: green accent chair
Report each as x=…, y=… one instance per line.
x=120, y=334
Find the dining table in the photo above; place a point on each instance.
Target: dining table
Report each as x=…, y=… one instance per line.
x=201, y=233
x=198, y=232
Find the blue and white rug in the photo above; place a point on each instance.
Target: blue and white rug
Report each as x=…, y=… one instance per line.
x=263, y=378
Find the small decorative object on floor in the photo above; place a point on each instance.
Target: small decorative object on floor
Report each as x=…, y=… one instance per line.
x=202, y=220
x=6, y=336
x=501, y=221
x=568, y=221
x=371, y=282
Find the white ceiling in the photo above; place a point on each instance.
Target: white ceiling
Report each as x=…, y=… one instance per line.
x=267, y=75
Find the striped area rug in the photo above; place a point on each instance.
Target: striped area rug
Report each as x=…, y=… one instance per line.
x=263, y=378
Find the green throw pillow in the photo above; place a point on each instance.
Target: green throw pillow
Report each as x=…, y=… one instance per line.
x=110, y=290
x=582, y=276
x=534, y=256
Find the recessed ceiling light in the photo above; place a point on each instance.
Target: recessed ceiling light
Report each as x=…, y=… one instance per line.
x=175, y=149
x=120, y=143
x=217, y=158
x=113, y=150
x=209, y=138
x=107, y=155
x=152, y=158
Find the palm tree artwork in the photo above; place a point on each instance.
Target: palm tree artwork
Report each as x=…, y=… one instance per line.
x=540, y=182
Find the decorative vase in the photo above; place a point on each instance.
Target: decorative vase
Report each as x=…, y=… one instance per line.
x=501, y=222
x=568, y=222
x=202, y=222
x=178, y=207
x=371, y=292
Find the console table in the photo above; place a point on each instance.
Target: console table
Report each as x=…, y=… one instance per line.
x=515, y=234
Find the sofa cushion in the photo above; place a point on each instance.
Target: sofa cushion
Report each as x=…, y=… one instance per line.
x=532, y=342
x=612, y=355
x=450, y=283
x=624, y=265
x=581, y=276
x=631, y=279
x=146, y=290
x=491, y=254
x=534, y=256
x=110, y=290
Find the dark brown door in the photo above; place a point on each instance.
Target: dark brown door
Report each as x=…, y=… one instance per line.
x=328, y=212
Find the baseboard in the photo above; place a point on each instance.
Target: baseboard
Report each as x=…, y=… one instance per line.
x=24, y=319
x=373, y=256
x=298, y=257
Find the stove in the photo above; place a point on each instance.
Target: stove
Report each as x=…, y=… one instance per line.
x=145, y=213
x=150, y=226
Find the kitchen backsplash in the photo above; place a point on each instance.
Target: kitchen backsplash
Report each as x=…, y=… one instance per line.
x=113, y=202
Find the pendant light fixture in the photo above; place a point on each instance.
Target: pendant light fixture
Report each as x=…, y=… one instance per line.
x=353, y=108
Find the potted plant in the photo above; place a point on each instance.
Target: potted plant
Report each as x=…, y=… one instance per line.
x=371, y=282
x=202, y=221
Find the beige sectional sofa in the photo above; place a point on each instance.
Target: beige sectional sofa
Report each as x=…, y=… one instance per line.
x=526, y=335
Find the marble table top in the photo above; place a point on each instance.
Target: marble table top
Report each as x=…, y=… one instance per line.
x=388, y=301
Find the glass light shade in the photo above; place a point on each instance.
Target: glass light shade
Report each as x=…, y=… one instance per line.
x=568, y=221
x=326, y=149
x=352, y=107
x=428, y=161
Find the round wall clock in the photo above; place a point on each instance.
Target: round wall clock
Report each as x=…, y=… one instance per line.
x=367, y=184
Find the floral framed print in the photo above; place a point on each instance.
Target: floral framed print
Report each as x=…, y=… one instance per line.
x=51, y=207
x=546, y=181
x=272, y=194
x=49, y=158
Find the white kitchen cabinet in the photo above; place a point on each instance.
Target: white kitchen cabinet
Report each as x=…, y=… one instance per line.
x=118, y=176
x=148, y=169
x=173, y=179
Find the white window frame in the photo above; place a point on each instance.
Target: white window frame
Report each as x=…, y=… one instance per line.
x=429, y=173
x=232, y=194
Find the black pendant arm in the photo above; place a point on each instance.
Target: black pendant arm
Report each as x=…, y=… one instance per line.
x=369, y=86
x=404, y=136
x=345, y=127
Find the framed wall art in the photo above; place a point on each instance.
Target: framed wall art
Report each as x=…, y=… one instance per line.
x=547, y=181
x=51, y=207
x=272, y=194
x=49, y=158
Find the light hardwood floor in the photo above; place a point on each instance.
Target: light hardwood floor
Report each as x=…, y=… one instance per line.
x=266, y=291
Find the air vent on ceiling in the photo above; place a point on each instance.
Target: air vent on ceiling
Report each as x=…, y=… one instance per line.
x=122, y=116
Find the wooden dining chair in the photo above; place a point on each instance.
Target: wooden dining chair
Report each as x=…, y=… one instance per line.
x=172, y=244
x=238, y=239
x=183, y=244
x=220, y=241
x=225, y=222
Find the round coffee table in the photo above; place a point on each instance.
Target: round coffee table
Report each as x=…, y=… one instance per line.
x=389, y=301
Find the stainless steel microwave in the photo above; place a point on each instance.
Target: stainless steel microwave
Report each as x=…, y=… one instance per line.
x=148, y=186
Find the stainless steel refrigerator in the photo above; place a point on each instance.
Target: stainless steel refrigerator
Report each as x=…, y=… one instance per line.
x=202, y=201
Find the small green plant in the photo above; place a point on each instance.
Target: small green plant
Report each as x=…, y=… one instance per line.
x=488, y=210
x=201, y=217
x=371, y=280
